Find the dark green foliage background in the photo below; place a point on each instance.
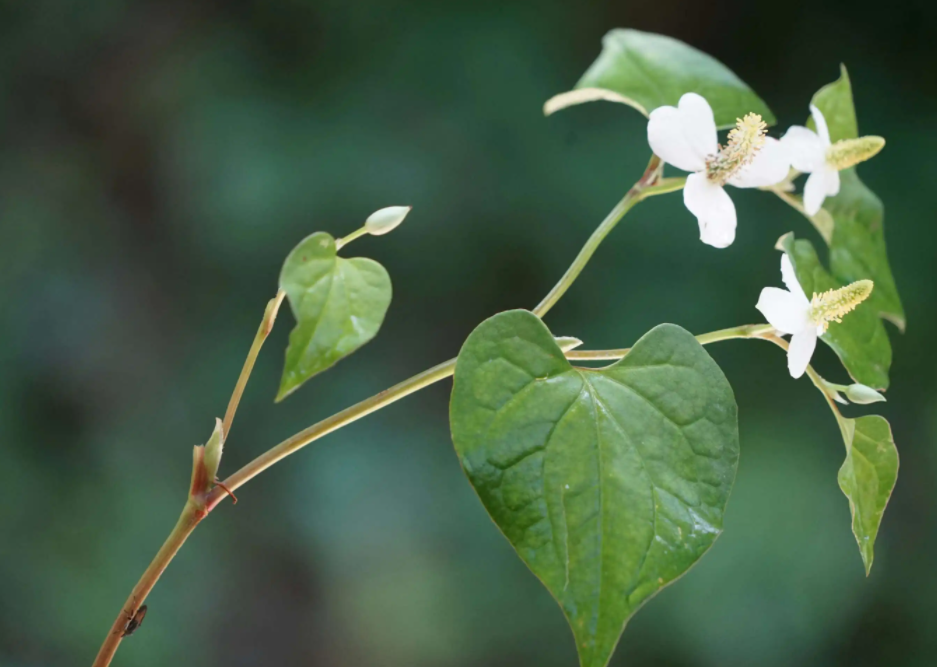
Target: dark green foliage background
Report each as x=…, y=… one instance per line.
x=159, y=160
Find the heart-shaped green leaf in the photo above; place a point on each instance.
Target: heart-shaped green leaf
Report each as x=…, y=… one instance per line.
x=646, y=71
x=339, y=305
x=609, y=483
x=860, y=340
x=867, y=477
x=857, y=243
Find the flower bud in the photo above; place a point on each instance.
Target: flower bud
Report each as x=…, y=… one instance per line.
x=385, y=220
x=862, y=395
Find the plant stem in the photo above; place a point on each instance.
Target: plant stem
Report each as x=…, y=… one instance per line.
x=822, y=221
x=342, y=242
x=266, y=325
x=820, y=384
x=650, y=184
x=326, y=426
x=745, y=331
x=188, y=520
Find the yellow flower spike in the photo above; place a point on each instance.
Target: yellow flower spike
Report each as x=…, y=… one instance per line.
x=830, y=306
x=848, y=153
x=745, y=141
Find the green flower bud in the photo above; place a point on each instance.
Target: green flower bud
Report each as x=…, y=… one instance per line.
x=862, y=395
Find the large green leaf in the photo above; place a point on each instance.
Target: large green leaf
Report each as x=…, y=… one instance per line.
x=857, y=246
x=609, y=483
x=646, y=71
x=860, y=341
x=339, y=305
x=867, y=477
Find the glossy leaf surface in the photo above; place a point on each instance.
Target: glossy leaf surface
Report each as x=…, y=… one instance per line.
x=609, y=483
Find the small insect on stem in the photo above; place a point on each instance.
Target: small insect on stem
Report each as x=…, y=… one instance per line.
x=135, y=622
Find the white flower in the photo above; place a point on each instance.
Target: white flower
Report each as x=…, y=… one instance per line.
x=808, y=151
x=813, y=153
x=685, y=137
x=791, y=312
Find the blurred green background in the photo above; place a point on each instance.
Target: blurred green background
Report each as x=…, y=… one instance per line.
x=158, y=161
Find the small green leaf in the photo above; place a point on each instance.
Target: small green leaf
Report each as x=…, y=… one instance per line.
x=860, y=341
x=646, y=71
x=609, y=483
x=857, y=246
x=867, y=477
x=339, y=305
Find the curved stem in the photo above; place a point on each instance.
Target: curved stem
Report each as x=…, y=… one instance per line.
x=819, y=383
x=326, y=426
x=650, y=184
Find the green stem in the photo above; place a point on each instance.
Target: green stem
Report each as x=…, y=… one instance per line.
x=411, y=385
x=745, y=331
x=358, y=233
x=820, y=384
x=188, y=520
x=326, y=426
x=649, y=185
x=266, y=325
x=822, y=221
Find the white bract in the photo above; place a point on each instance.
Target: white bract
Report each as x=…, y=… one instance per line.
x=813, y=153
x=791, y=312
x=685, y=137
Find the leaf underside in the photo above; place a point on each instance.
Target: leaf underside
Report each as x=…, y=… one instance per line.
x=646, y=71
x=609, y=483
x=339, y=305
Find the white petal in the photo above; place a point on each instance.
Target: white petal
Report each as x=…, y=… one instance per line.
x=820, y=121
x=685, y=135
x=770, y=166
x=832, y=183
x=801, y=349
x=699, y=125
x=820, y=185
x=713, y=209
x=789, y=276
x=805, y=149
x=668, y=141
x=783, y=310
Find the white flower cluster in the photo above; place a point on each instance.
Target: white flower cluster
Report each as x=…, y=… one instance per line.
x=685, y=137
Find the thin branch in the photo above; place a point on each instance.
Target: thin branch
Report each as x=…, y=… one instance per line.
x=266, y=326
